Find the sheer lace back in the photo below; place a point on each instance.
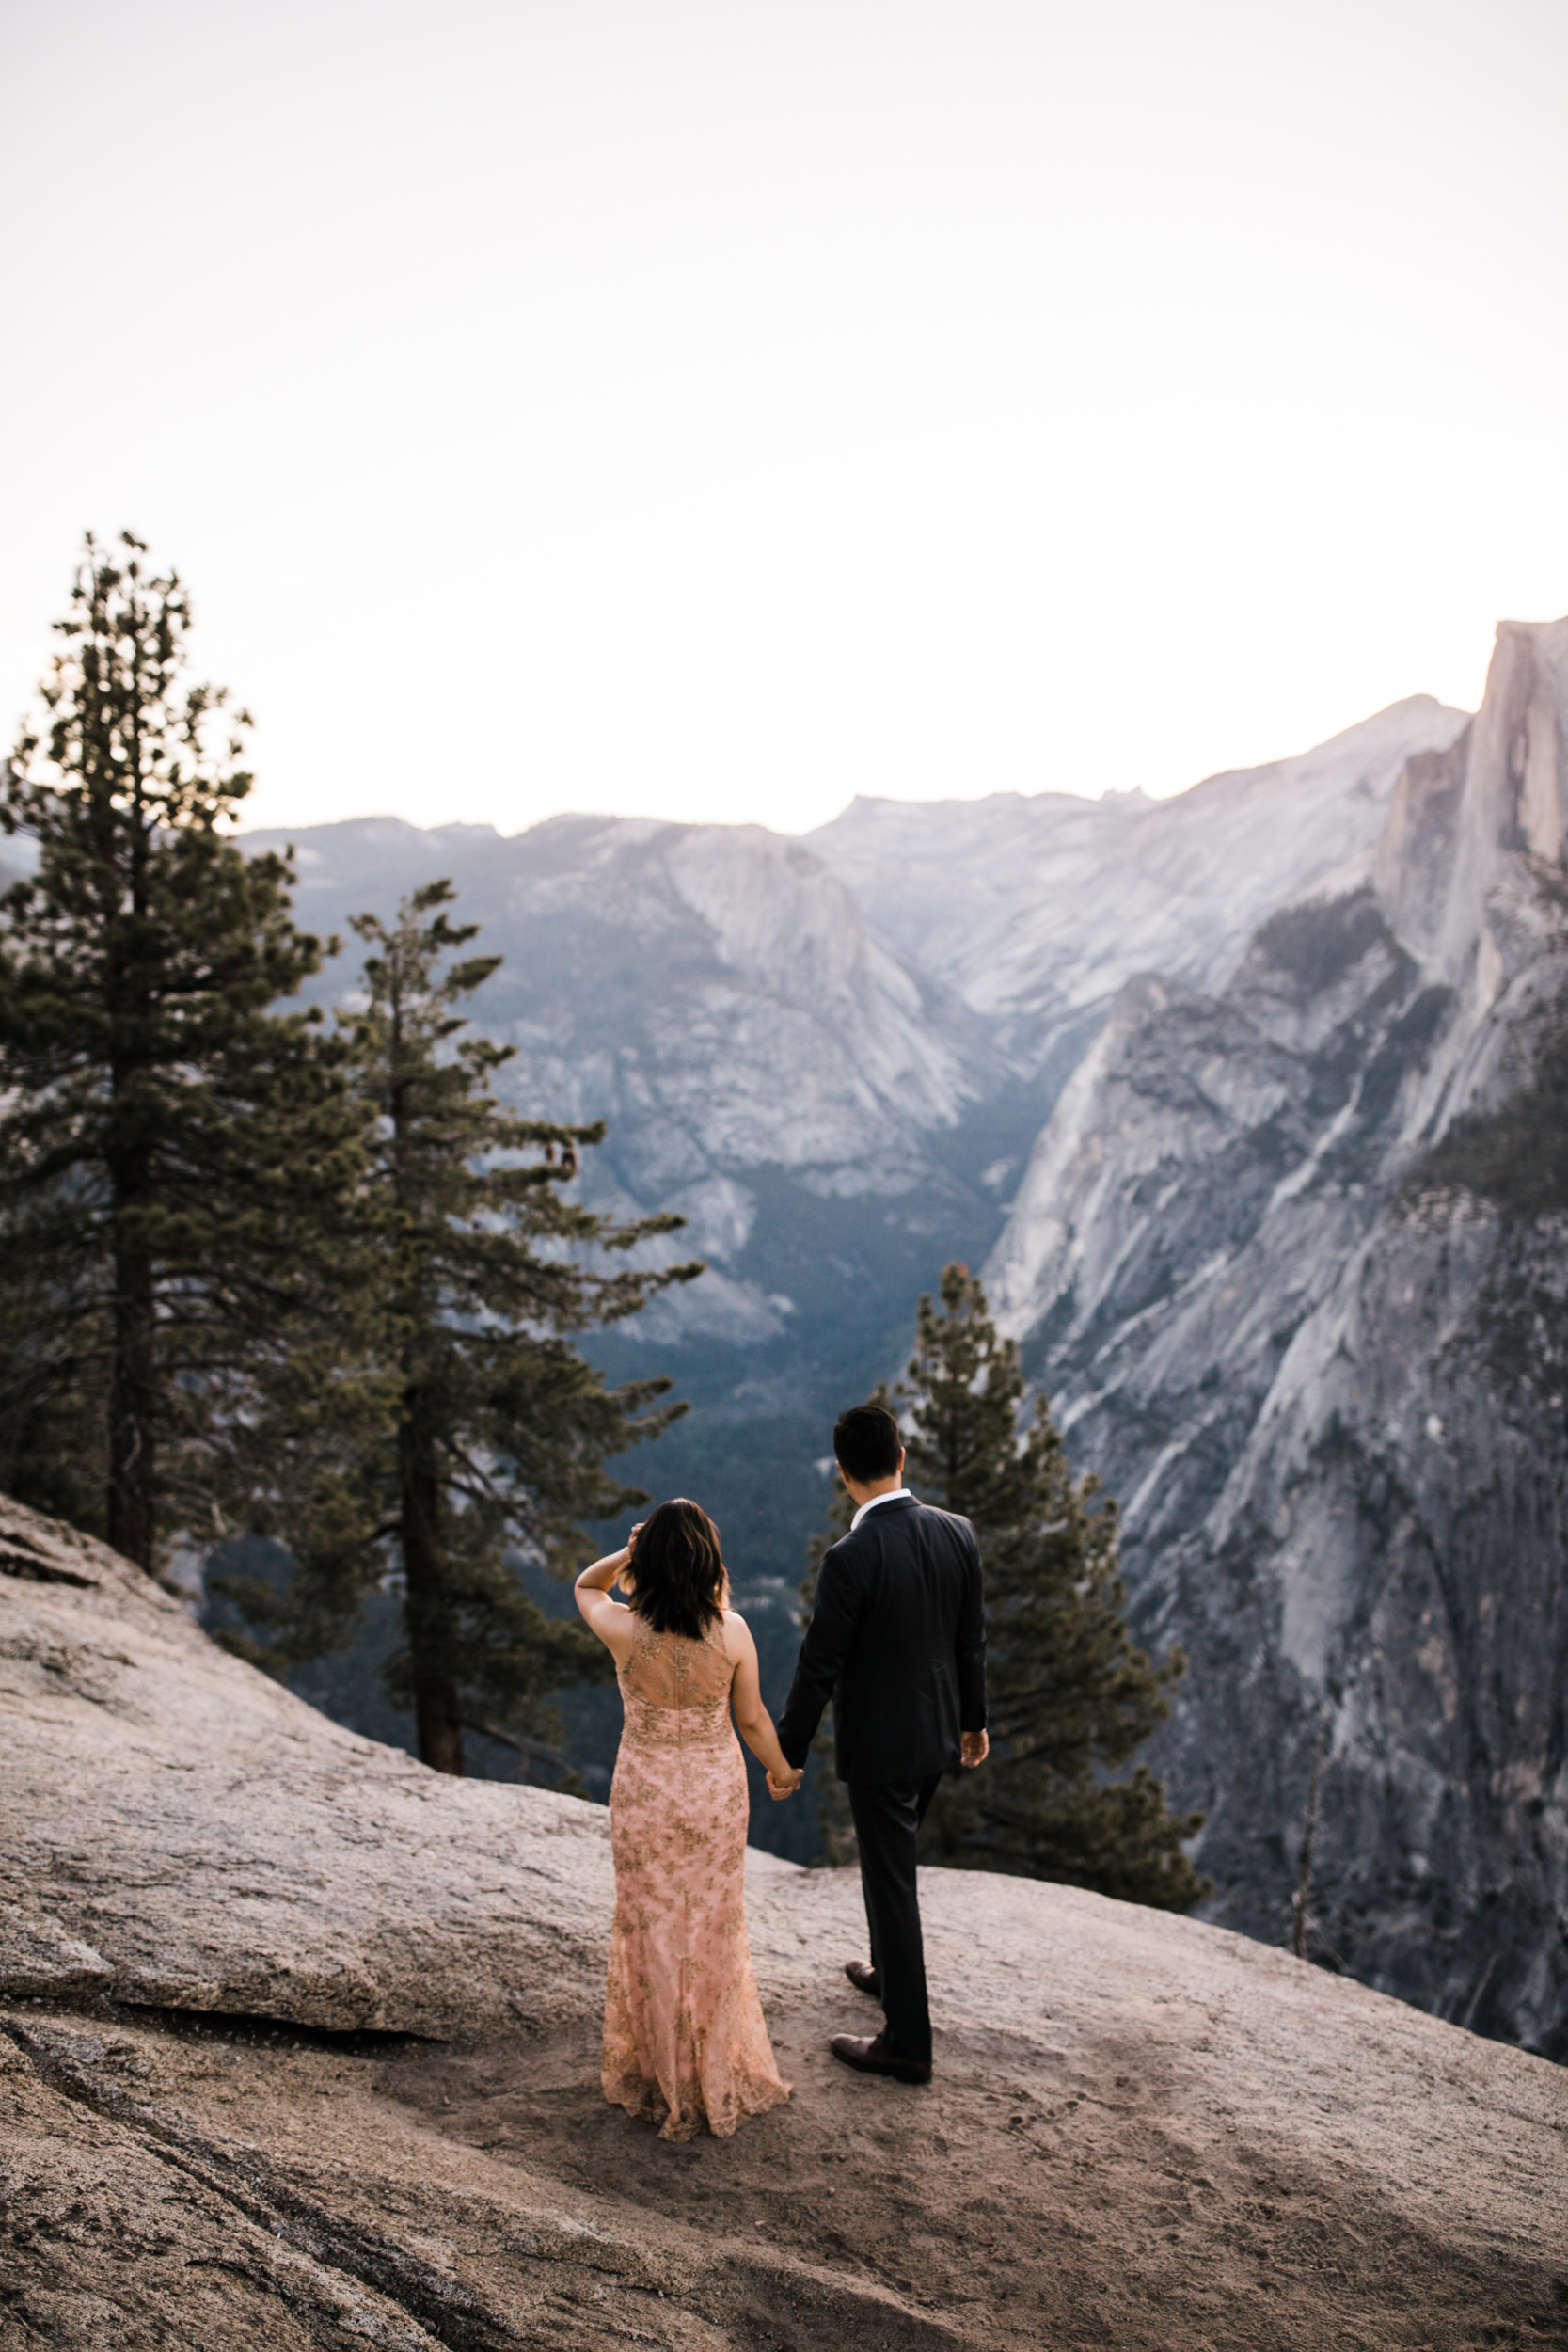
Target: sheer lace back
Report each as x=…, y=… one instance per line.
x=685, y=2040
x=676, y=1690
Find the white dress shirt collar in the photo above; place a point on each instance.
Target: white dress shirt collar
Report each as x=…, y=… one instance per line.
x=894, y=1494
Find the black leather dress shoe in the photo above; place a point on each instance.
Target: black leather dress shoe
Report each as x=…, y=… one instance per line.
x=874, y=2057
x=864, y=1977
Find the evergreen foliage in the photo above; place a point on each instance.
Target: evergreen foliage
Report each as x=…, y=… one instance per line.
x=174, y=1156
x=1071, y=1700
x=1516, y=1155
x=499, y=1430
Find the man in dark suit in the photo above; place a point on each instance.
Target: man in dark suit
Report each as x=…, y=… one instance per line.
x=897, y=1642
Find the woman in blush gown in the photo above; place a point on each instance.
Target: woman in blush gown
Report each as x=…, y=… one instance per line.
x=683, y=2037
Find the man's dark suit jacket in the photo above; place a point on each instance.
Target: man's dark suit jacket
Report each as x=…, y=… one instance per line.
x=897, y=1642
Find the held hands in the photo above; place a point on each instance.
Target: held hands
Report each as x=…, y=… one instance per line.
x=974, y=1746
x=783, y=1785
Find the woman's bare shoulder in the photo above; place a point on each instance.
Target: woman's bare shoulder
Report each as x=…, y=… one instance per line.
x=616, y=1625
x=737, y=1633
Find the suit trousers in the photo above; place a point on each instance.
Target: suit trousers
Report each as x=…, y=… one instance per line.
x=887, y=1818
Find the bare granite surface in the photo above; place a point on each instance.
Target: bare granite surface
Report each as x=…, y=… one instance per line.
x=298, y=2047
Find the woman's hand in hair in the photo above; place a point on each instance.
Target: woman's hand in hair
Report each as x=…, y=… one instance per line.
x=614, y=1626
x=625, y=1580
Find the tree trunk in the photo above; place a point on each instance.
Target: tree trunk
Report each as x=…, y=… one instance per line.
x=132, y=1489
x=437, y=1717
x=133, y=1513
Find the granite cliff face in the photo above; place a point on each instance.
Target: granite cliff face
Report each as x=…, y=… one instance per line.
x=1330, y=1390
x=1034, y=911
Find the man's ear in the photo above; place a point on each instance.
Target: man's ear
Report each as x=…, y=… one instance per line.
x=900, y=1461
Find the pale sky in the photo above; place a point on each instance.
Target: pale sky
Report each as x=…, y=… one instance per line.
x=712, y=411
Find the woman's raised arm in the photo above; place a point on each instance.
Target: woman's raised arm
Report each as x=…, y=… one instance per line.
x=604, y=1617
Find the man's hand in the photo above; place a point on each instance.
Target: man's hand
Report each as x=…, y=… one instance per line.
x=974, y=1746
x=780, y=1789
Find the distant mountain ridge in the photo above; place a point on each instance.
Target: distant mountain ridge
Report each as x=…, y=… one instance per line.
x=1034, y=910
x=1213, y=1036
x=837, y=1093
x=832, y=1010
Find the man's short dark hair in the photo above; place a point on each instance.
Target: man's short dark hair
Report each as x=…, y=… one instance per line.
x=867, y=1443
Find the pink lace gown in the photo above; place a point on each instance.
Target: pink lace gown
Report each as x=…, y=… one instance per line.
x=684, y=2036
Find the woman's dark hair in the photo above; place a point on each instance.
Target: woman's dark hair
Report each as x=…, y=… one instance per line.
x=677, y=1576
x=867, y=1443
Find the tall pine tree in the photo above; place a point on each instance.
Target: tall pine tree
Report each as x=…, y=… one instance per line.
x=1071, y=1699
x=173, y=1153
x=500, y=1431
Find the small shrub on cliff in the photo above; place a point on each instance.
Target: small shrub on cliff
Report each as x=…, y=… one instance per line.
x=1516, y=1155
